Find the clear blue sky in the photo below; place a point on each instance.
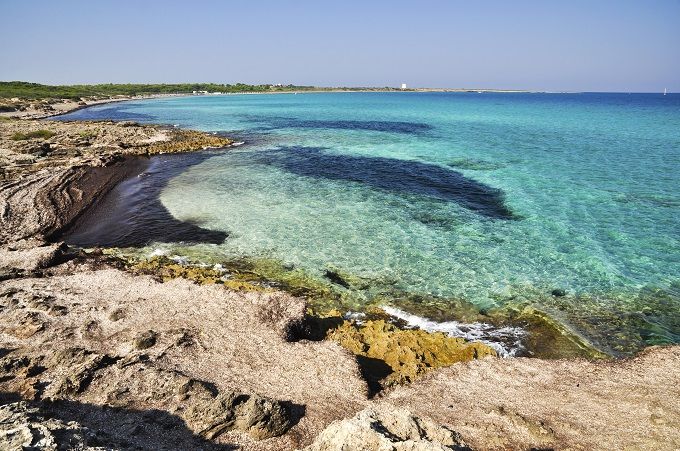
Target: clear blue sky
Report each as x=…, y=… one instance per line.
x=547, y=45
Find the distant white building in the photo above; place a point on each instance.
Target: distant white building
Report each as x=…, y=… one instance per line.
x=403, y=86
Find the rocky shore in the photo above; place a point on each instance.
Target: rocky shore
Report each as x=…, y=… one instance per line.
x=101, y=353
x=44, y=108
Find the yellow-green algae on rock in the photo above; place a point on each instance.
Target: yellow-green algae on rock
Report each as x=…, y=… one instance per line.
x=166, y=269
x=388, y=355
x=187, y=141
x=547, y=337
x=407, y=352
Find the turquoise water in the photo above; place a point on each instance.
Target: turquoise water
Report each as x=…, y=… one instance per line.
x=491, y=198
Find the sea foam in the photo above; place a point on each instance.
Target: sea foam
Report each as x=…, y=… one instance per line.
x=507, y=341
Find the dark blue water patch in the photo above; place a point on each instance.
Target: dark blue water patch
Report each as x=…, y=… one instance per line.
x=132, y=215
x=279, y=122
x=392, y=175
x=108, y=113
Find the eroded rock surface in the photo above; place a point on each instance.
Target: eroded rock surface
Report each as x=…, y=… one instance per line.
x=408, y=353
x=524, y=403
x=51, y=171
x=221, y=362
x=23, y=427
x=387, y=429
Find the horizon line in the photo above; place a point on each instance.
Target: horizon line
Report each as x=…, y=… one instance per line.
x=355, y=87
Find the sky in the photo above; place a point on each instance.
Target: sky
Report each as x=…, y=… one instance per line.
x=624, y=46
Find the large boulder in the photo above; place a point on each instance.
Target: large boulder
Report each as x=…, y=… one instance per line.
x=27, y=256
x=383, y=429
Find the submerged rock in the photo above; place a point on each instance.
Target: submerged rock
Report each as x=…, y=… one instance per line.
x=383, y=430
x=345, y=279
x=336, y=278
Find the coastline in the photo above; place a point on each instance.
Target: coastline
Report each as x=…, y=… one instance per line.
x=65, y=106
x=335, y=384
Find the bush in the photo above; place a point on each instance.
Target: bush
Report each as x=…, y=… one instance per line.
x=87, y=134
x=44, y=134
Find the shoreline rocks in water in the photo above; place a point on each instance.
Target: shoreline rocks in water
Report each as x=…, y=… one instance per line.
x=92, y=355
x=40, y=194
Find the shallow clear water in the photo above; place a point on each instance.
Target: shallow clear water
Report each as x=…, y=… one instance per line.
x=492, y=198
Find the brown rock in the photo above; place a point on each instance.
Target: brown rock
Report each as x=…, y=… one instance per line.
x=75, y=367
x=260, y=417
x=145, y=340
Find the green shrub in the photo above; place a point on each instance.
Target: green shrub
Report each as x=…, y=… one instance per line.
x=44, y=134
x=25, y=90
x=87, y=134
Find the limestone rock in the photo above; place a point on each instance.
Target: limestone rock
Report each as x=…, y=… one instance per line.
x=258, y=416
x=75, y=368
x=283, y=313
x=383, y=429
x=408, y=353
x=22, y=427
x=32, y=258
x=145, y=340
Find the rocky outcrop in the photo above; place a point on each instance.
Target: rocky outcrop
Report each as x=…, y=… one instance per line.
x=383, y=429
x=407, y=352
x=50, y=172
x=42, y=203
x=32, y=255
x=111, y=360
x=24, y=427
x=524, y=403
x=207, y=411
x=218, y=361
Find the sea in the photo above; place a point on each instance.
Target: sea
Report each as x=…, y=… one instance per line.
x=569, y=203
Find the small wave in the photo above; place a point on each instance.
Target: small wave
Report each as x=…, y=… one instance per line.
x=357, y=317
x=507, y=341
x=180, y=259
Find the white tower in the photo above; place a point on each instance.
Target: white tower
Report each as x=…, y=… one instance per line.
x=403, y=86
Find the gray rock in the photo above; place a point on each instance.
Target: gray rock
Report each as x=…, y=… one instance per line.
x=22, y=427
x=258, y=416
x=76, y=368
x=386, y=429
